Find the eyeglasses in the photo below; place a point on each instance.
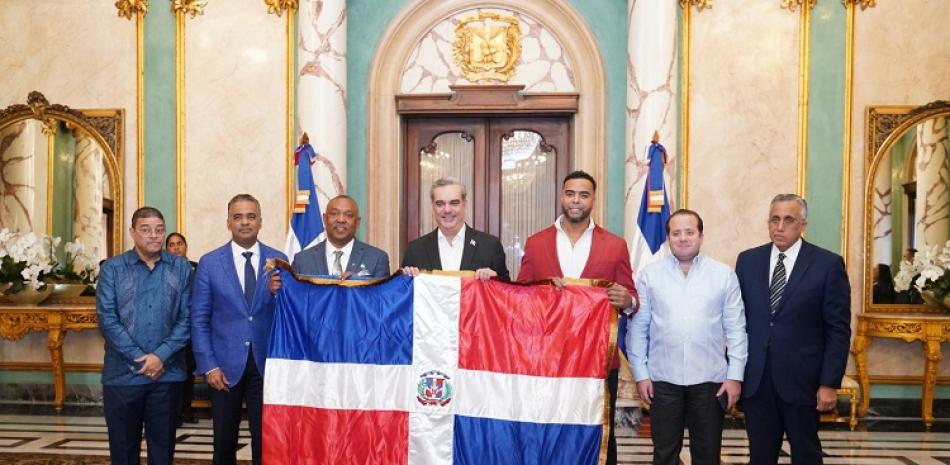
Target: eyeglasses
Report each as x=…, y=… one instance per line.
x=160, y=231
x=787, y=221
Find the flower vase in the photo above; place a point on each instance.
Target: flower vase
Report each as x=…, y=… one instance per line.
x=30, y=296
x=66, y=291
x=932, y=299
x=3, y=288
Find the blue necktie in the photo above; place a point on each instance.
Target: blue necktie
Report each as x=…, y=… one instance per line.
x=250, y=278
x=777, y=287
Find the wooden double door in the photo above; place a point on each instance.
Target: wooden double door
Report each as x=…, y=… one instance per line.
x=511, y=166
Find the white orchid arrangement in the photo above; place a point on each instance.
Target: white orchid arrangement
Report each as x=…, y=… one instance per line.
x=25, y=259
x=931, y=267
x=81, y=265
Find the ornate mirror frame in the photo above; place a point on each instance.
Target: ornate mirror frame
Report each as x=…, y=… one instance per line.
x=885, y=125
x=105, y=125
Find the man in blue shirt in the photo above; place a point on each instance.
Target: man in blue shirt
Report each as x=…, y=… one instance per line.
x=143, y=304
x=690, y=310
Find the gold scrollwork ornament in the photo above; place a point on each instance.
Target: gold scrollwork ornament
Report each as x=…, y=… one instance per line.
x=699, y=4
x=864, y=4
x=189, y=7
x=487, y=46
x=792, y=5
x=129, y=8
x=277, y=7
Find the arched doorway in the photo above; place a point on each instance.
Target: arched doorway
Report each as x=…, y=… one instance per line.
x=385, y=134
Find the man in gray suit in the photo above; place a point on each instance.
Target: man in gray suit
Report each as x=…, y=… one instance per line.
x=341, y=254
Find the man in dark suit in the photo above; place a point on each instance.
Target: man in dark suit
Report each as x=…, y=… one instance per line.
x=574, y=247
x=454, y=246
x=798, y=316
x=230, y=327
x=341, y=254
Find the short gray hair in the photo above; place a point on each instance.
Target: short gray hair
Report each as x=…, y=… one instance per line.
x=792, y=198
x=243, y=198
x=447, y=181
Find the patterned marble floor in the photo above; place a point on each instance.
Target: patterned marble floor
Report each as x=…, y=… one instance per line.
x=74, y=435
x=840, y=447
x=41, y=435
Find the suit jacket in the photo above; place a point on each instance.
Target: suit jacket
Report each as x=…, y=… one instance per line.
x=363, y=257
x=222, y=323
x=609, y=259
x=806, y=342
x=481, y=250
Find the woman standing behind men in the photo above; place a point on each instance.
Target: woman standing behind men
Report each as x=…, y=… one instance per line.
x=177, y=245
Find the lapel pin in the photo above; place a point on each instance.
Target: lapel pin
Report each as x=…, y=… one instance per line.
x=472, y=242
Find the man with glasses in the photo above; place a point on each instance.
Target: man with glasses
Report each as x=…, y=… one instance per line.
x=143, y=305
x=798, y=316
x=232, y=313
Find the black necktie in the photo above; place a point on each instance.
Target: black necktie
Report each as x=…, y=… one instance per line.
x=777, y=287
x=250, y=278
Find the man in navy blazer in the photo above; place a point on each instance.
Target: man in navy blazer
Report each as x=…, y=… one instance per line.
x=798, y=316
x=354, y=258
x=230, y=327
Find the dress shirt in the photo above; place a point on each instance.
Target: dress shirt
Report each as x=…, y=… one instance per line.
x=239, y=260
x=686, y=321
x=344, y=259
x=573, y=257
x=450, y=253
x=791, y=254
x=143, y=310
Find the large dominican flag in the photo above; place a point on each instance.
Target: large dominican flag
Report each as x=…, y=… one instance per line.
x=437, y=370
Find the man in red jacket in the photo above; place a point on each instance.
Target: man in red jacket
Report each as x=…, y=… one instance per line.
x=574, y=247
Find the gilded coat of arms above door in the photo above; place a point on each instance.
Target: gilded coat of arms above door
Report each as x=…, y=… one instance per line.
x=487, y=46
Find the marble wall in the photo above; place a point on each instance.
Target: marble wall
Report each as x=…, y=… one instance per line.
x=235, y=120
x=82, y=55
x=743, y=120
x=542, y=67
x=900, y=58
x=22, y=150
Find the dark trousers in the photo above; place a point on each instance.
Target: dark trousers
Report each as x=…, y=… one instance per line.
x=613, y=377
x=677, y=407
x=188, y=387
x=128, y=408
x=226, y=415
x=767, y=416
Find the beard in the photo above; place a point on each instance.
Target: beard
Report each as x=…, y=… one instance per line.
x=585, y=214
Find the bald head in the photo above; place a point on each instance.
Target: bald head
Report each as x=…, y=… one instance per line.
x=342, y=219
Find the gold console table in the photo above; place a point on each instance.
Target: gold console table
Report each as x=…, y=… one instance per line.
x=929, y=328
x=18, y=320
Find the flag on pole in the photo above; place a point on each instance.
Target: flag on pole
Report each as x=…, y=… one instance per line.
x=437, y=370
x=654, y=206
x=306, y=224
x=651, y=220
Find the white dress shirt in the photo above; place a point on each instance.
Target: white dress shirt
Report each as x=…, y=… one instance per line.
x=450, y=253
x=237, y=251
x=573, y=257
x=344, y=259
x=791, y=255
x=686, y=322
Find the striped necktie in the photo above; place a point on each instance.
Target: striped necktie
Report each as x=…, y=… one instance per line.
x=337, y=262
x=778, y=284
